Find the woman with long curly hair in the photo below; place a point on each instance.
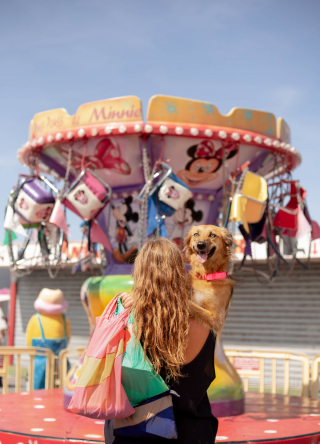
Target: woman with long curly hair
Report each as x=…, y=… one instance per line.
x=180, y=349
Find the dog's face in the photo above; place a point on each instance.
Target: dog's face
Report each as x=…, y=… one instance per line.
x=209, y=246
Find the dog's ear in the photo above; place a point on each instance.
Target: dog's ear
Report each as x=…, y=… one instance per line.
x=188, y=239
x=227, y=238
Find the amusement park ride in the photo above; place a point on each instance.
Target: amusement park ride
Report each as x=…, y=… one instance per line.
x=127, y=179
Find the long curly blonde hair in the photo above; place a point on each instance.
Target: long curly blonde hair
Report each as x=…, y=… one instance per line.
x=160, y=305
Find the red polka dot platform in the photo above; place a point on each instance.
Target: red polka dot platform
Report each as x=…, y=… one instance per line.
x=38, y=418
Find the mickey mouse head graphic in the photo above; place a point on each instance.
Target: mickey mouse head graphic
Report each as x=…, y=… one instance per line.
x=184, y=218
x=23, y=204
x=187, y=215
x=81, y=197
x=172, y=193
x=44, y=213
x=205, y=161
x=123, y=214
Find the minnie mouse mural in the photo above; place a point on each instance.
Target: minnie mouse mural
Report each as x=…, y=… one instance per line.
x=107, y=154
x=206, y=159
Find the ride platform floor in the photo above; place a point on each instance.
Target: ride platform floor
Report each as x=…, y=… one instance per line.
x=38, y=418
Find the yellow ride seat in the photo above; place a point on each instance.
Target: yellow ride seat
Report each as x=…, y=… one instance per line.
x=248, y=206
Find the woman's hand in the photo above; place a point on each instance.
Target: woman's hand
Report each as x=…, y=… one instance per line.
x=127, y=300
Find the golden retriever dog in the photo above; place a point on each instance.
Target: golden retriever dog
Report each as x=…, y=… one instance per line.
x=208, y=249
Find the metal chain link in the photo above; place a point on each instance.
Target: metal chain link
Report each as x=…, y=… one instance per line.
x=54, y=266
x=18, y=272
x=183, y=227
x=66, y=177
x=143, y=216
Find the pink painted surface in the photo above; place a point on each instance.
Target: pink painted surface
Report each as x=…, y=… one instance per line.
x=267, y=418
x=98, y=235
x=58, y=218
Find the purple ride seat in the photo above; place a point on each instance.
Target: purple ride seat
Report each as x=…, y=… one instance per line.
x=33, y=203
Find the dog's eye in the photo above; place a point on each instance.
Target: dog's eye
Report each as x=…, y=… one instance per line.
x=196, y=234
x=213, y=235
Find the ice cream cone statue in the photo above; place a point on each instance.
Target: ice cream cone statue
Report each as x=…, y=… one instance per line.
x=48, y=328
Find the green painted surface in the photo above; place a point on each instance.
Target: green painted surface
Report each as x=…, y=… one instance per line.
x=102, y=289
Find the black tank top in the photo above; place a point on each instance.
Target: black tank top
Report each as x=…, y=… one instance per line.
x=192, y=411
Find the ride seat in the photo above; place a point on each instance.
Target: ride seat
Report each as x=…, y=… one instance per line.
x=249, y=205
x=287, y=217
x=87, y=195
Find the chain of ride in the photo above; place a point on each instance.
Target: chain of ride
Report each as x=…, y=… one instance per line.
x=143, y=216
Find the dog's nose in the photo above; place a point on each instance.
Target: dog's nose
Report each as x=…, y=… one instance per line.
x=201, y=245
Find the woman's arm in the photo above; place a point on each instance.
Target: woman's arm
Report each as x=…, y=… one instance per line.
x=196, y=340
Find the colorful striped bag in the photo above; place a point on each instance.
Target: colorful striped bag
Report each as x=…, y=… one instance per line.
x=99, y=393
x=147, y=393
x=116, y=382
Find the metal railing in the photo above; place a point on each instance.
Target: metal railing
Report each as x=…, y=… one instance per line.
x=31, y=352
x=315, y=377
x=63, y=362
x=274, y=356
x=245, y=373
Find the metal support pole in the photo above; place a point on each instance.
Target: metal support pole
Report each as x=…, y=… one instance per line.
x=12, y=312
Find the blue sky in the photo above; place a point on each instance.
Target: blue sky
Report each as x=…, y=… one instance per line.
x=259, y=54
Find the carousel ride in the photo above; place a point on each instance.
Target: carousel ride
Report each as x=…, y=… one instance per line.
x=107, y=166
x=127, y=179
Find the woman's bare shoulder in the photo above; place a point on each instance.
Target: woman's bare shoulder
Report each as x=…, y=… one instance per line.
x=196, y=340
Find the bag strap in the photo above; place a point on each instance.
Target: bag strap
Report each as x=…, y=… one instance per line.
x=110, y=309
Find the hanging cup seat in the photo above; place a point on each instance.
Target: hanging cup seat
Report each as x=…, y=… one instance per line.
x=289, y=217
x=315, y=230
x=87, y=195
x=32, y=202
x=249, y=205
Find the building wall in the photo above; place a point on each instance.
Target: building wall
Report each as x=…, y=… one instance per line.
x=285, y=312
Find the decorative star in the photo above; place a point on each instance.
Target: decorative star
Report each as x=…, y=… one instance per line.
x=127, y=104
x=171, y=108
x=248, y=115
x=269, y=116
x=209, y=108
x=270, y=131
